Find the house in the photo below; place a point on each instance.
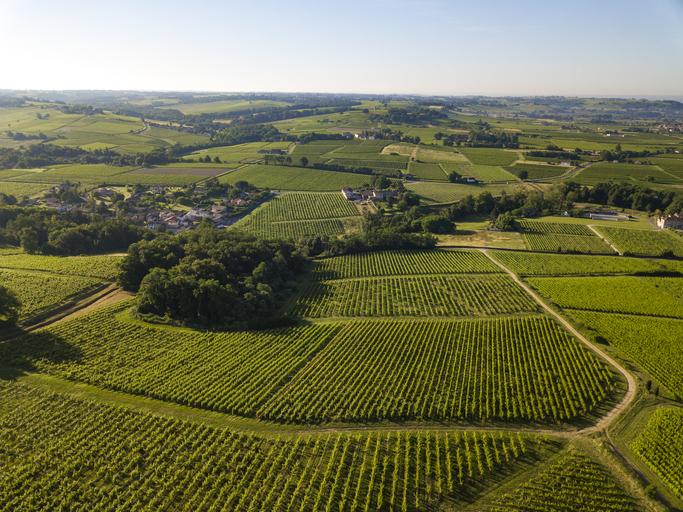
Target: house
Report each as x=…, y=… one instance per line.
x=566, y=214
x=156, y=189
x=670, y=221
x=346, y=134
x=470, y=180
x=367, y=194
x=106, y=192
x=382, y=194
x=219, y=209
x=566, y=164
x=349, y=194
x=200, y=190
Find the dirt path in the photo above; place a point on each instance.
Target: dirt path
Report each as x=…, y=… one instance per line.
x=630, y=395
x=146, y=129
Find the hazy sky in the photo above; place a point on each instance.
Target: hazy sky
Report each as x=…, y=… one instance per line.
x=488, y=47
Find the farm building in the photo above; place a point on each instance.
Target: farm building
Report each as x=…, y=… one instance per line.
x=349, y=194
x=670, y=221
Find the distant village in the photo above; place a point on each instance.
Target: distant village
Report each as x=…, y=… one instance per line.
x=142, y=208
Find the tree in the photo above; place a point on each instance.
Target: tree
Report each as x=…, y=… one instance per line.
x=29, y=240
x=523, y=175
x=454, y=177
x=216, y=160
x=304, y=161
x=506, y=222
x=10, y=305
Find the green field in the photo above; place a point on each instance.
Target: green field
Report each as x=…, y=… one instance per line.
x=487, y=156
x=602, y=172
x=100, y=267
x=108, y=458
x=431, y=172
x=20, y=190
x=653, y=343
x=660, y=446
x=631, y=295
x=438, y=295
x=536, y=172
x=388, y=263
x=74, y=173
x=38, y=291
x=551, y=264
x=566, y=243
x=277, y=177
x=450, y=192
x=642, y=242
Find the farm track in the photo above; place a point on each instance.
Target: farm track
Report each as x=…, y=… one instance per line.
x=590, y=226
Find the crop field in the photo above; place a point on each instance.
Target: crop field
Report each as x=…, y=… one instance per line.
x=314, y=149
x=226, y=106
x=642, y=242
x=99, y=267
x=627, y=172
x=529, y=264
x=531, y=226
x=490, y=173
x=670, y=166
x=438, y=193
x=536, y=172
x=168, y=180
x=488, y=156
x=660, y=446
x=574, y=483
x=258, y=225
x=653, y=343
x=13, y=173
x=41, y=291
x=20, y=190
x=566, y=243
x=181, y=171
x=106, y=457
x=289, y=207
x=611, y=294
x=376, y=165
x=506, y=369
x=394, y=263
x=277, y=177
x=73, y=173
x=438, y=295
x=427, y=171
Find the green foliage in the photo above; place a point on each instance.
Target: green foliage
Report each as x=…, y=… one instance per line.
x=505, y=221
x=100, y=267
x=660, y=446
x=387, y=263
x=101, y=463
x=10, y=306
x=434, y=224
x=574, y=483
x=527, y=264
x=643, y=242
x=653, y=343
x=439, y=295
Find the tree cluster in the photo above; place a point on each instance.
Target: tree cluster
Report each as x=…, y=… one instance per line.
x=212, y=278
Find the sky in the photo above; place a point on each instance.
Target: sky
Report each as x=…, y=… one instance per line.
x=610, y=48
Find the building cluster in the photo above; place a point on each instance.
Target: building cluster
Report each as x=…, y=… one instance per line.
x=366, y=195
x=674, y=221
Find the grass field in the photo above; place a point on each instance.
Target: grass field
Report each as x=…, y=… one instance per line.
x=277, y=177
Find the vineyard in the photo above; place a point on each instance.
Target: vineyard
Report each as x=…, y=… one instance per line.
x=427, y=171
x=509, y=369
x=529, y=264
x=530, y=226
x=574, y=483
x=41, y=291
x=642, y=242
x=278, y=177
x=450, y=192
x=100, y=267
x=297, y=215
x=630, y=295
x=395, y=263
x=660, y=446
x=438, y=295
x=653, y=343
x=566, y=243
x=103, y=458
x=536, y=172
x=486, y=156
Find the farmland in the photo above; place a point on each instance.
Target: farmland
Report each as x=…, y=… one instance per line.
x=547, y=236
x=557, y=265
x=480, y=156
x=535, y=172
x=653, y=343
x=387, y=263
x=41, y=291
x=660, y=445
x=258, y=225
x=449, y=192
x=431, y=172
x=85, y=448
x=277, y=177
x=574, y=483
x=438, y=295
x=100, y=267
x=642, y=242
x=610, y=294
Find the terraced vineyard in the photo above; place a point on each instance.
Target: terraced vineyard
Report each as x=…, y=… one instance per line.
x=106, y=458
x=653, y=343
x=529, y=264
x=509, y=369
x=41, y=291
x=660, y=446
x=438, y=295
x=575, y=483
x=610, y=294
x=642, y=242
x=101, y=267
x=386, y=263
